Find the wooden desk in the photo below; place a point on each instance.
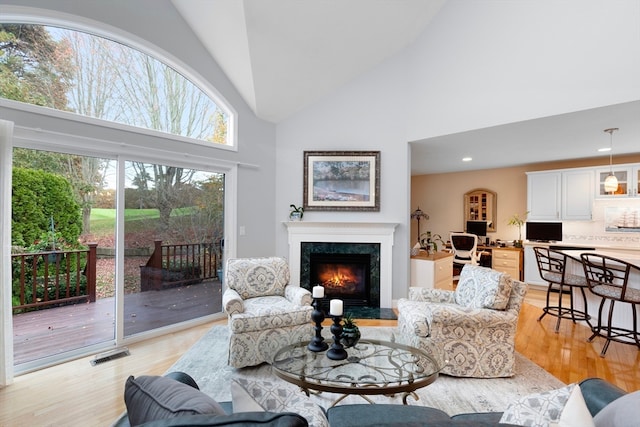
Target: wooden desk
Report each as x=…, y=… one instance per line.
x=432, y=270
x=508, y=260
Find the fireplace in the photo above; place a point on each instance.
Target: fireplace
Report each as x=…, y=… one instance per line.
x=348, y=271
x=343, y=276
x=379, y=234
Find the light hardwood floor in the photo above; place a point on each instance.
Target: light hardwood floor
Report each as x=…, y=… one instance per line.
x=76, y=393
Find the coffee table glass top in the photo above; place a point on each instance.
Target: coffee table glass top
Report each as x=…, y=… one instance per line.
x=383, y=364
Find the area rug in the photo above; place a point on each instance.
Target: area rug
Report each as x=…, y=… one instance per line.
x=206, y=362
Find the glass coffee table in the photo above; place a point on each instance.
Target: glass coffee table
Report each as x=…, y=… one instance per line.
x=373, y=367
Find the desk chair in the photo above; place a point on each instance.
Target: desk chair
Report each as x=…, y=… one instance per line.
x=465, y=250
x=551, y=265
x=609, y=278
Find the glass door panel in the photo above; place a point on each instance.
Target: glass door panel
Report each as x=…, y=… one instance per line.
x=622, y=175
x=63, y=269
x=173, y=234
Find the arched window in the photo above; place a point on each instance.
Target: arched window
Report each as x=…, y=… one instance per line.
x=94, y=76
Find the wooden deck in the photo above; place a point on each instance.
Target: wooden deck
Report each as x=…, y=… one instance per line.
x=57, y=330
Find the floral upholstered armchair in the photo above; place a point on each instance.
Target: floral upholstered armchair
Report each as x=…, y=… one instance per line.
x=265, y=312
x=470, y=330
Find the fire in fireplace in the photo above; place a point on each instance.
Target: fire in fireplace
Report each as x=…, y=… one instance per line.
x=344, y=276
x=354, y=266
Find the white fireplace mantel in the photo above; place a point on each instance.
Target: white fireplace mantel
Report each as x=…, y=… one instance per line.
x=345, y=232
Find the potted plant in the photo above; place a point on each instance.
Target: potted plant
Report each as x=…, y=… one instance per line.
x=296, y=213
x=518, y=221
x=350, y=332
x=429, y=241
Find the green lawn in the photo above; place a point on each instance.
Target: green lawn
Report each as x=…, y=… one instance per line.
x=104, y=220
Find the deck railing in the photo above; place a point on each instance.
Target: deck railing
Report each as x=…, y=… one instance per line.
x=179, y=264
x=43, y=279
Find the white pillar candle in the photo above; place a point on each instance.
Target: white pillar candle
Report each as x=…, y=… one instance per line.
x=335, y=307
x=318, y=292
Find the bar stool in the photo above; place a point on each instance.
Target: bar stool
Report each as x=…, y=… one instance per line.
x=608, y=278
x=552, y=268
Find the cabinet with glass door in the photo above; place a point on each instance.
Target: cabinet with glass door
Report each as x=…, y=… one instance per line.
x=628, y=177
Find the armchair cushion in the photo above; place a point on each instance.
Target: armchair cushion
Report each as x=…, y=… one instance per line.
x=270, y=312
x=481, y=287
x=431, y=295
x=256, y=277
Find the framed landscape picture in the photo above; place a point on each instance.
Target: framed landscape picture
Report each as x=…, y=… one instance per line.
x=341, y=180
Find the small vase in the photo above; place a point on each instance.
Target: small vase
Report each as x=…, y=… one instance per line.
x=295, y=216
x=350, y=336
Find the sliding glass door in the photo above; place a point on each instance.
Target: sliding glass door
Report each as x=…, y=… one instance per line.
x=66, y=262
x=173, y=236
x=62, y=261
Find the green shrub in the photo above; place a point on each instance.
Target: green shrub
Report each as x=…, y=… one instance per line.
x=38, y=197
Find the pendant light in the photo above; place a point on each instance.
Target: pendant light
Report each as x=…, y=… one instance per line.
x=610, y=182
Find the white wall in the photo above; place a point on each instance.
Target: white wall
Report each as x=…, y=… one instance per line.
x=490, y=62
x=368, y=114
x=481, y=63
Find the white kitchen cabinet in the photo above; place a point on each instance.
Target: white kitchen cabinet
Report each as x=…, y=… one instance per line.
x=543, y=196
x=577, y=194
x=531, y=272
x=560, y=195
x=433, y=271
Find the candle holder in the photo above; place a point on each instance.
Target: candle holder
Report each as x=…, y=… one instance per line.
x=317, y=315
x=337, y=351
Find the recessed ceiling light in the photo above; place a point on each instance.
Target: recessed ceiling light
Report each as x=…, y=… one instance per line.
x=604, y=149
x=466, y=159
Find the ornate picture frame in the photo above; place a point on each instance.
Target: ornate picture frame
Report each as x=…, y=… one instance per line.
x=341, y=181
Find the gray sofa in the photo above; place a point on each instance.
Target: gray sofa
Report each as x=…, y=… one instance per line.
x=597, y=395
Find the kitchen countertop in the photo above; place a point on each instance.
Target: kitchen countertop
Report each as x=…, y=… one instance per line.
x=431, y=257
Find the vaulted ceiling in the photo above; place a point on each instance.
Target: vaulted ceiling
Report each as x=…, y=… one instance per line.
x=284, y=55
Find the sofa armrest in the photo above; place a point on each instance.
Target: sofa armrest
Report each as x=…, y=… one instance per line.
x=232, y=302
x=297, y=295
x=598, y=393
x=240, y=419
x=431, y=295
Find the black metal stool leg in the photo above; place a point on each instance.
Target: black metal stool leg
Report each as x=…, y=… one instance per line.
x=560, y=294
x=545, y=310
x=587, y=317
x=609, y=329
x=635, y=326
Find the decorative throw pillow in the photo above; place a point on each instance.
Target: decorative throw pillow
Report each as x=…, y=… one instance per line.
x=150, y=398
x=273, y=396
x=622, y=412
x=564, y=407
x=481, y=287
